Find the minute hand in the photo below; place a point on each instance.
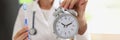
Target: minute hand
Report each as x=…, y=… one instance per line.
x=69, y=24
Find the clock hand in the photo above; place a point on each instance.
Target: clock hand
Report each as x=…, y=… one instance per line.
x=68, y=24
x=63, y=25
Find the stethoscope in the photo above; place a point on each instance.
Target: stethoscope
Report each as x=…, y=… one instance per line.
x=33, y=30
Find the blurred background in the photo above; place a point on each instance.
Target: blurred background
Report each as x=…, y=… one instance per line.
x=103, y=17
x=8, y=14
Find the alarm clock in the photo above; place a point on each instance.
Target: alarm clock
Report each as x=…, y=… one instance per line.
x=66, y=24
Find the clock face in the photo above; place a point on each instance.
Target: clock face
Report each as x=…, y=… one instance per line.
x=66, y=26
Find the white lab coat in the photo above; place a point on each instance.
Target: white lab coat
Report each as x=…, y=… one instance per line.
x=43, y=22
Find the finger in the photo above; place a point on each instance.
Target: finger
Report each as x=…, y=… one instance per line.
x=67, y=4
x=26, y=38
x=73, y=2
x=82, y=9
x=84, y=2
x=23, y=36
x=24, y=29
x=63, y=3
x=83, y=6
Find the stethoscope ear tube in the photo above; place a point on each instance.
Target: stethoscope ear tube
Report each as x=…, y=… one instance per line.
x=33, y=19
x=33, y=30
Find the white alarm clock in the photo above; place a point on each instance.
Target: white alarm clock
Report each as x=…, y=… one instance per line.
x=66, y=24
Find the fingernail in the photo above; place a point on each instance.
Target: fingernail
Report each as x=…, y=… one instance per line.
x=26, y=33
x=65, y=8
x=26, y=27
x=70, y=7
x=60, y=4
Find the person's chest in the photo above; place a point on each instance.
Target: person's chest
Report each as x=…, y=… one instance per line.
x=44, y=27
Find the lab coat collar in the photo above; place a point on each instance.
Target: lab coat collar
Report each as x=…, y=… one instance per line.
x=52, y=10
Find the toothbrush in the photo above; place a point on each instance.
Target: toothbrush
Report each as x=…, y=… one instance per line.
x=26, y=19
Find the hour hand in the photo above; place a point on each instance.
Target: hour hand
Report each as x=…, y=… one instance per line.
x=63, y=24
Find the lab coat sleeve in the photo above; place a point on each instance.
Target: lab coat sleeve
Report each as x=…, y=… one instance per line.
x=19, y=22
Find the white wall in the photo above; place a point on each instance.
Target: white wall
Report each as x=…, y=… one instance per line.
x=105, y=16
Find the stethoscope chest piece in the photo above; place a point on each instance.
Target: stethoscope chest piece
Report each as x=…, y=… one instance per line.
x=33, y=31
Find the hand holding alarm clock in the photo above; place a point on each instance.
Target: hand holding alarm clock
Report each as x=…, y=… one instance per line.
x=66, y=24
